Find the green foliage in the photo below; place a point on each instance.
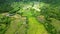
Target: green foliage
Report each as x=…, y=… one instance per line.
x=49, y=9
x=4, y=23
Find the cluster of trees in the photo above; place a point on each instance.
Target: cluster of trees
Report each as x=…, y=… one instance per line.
x=15, y=6
x=4, y=23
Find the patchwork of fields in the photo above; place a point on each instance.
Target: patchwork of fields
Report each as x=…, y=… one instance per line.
x=30, y=17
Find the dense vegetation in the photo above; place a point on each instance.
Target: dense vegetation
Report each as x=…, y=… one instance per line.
x=29, y=16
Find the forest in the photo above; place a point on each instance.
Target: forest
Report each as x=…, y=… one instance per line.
x=29, y=16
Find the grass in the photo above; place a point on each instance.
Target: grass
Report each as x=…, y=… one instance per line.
x=35, y=27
